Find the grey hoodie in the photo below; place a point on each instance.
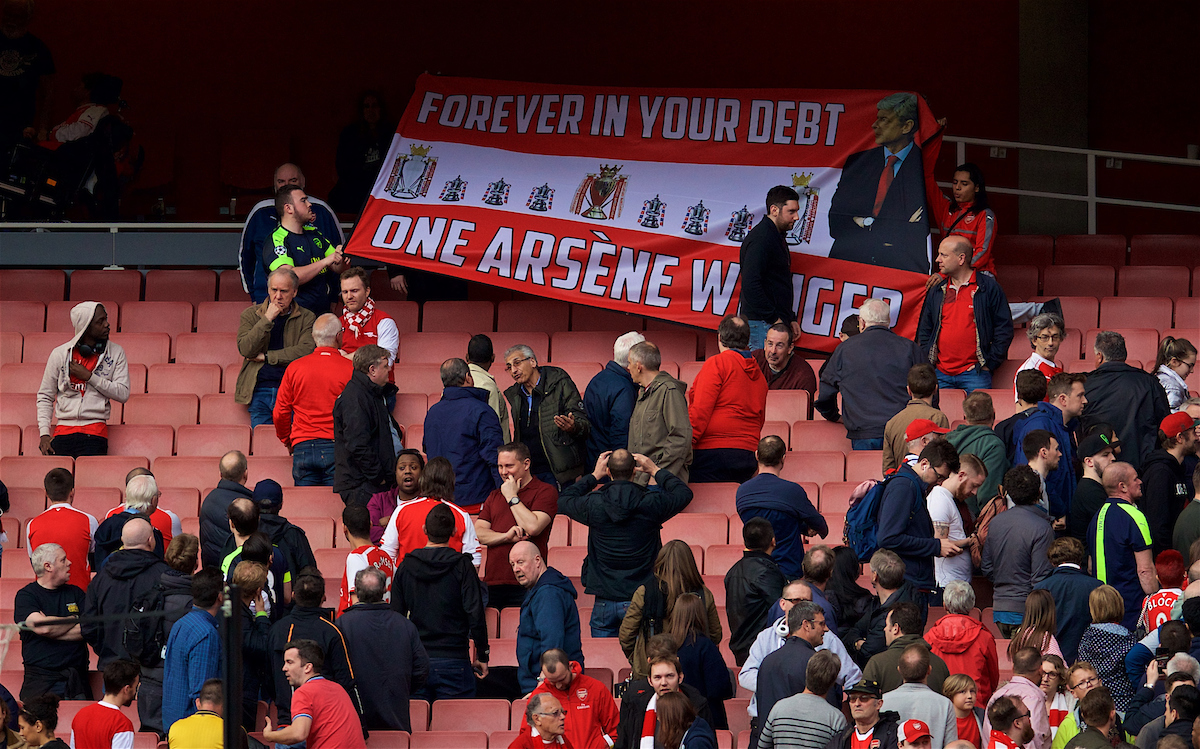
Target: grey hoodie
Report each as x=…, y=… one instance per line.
x=89, y=403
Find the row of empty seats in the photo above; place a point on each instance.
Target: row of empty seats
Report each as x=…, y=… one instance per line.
x=1024, y=281
x=1044, y=250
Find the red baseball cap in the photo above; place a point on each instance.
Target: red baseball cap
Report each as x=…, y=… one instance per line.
x=913, y=730
x=1176, y=424
x=921, y=427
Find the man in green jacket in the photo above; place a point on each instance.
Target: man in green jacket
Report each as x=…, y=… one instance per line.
x=548, y=416
x=659, y=427
x=268, y=348
x=976, y=437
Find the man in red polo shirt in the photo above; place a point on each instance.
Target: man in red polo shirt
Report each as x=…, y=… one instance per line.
x=304, y=405
x=322, y=713
x=965, y=324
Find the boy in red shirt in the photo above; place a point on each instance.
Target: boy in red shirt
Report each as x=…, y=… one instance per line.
x=356, y=525
x=102, y=725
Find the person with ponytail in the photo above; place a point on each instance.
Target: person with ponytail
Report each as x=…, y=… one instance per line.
x=678, y=726
x=1176, y=360
x=37, y=721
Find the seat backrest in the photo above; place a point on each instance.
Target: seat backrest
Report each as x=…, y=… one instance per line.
x=167, y=317
x=1092, y=249
x=452, y=317
x=22, y=316
x=194, y=285
x=118, y=285
x=33, y=284
x=107, y=470
x=174, y=409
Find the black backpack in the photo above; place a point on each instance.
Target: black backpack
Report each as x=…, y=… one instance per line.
x=145, y=637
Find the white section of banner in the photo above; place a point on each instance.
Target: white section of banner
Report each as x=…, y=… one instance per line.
x=434, y=172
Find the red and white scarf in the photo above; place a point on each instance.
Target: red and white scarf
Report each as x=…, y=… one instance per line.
x=648, y=724
x=355, y=320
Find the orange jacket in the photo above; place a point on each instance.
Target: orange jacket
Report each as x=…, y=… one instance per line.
x=592, y=713
x=727, y=403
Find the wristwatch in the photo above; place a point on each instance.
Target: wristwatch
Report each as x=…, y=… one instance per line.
x=513, y=502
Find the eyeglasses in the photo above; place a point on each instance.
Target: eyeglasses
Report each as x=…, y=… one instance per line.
x=1022, y=715
x=1048, y=337
x=1090, y=681
x=554, y=713
x=510, y=366
x=795, y=601
x=940, y=477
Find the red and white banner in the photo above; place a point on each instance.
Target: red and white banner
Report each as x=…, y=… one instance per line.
x=637, y=199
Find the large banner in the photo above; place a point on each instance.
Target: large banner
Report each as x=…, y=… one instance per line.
x=638, y=199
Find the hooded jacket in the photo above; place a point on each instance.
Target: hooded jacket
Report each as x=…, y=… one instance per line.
x=310, y=623
x=363, y=453
x=1164, y=495
x=1070, y=586
x=1132, y=402
x=967, y=647
x=88, y=404
x=752, y=586
x=982, y=442
x=870, y=627
x=593, y=712
x=566, y=452
x=727, y=402
x=287, y=538
x=659, y=427
x=464, y=429
x=128, y=576
x=993, y=322
x=549, y=619
x=624, y=522
x=608, y=400
x=437, y=588
x=387, y=642
x=1061, y=482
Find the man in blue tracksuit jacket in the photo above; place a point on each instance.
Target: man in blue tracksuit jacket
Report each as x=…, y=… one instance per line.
x=1061, y=482
x=464, y=429
x=549, y=617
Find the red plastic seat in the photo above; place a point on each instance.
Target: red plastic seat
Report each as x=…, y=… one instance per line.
x=404, y=314
x=199, y=379
x=219, y=317
x=280, y=469
x=1135, y=312
x=221, y=409
x=229, y=287
x=699, y=528
x=171, y=318
x=18, y=408
x=950, y=402
x=1090, y=249
x=1007, y=373
x=10, y=440
x=265, y=443
x=1154, y=280
x=420, y=378
x=22, y=316
x=174, y=409
x=194, y=285
x=545, y=315
x=184, y=501
x=452, y=317
x=1003, y=400
x=58, y=317
x=1165, y=249
x=432, y=348
x=332, y=563
x=1071, y=280
x=820, y=435
x=715, y=497
x=1024, y=249
x=37, y=346
x=1187, y=313
x=26, y=501
x=817, y=466
x=21, y=378
x=10, y=347
x=605, y=652
x=1141, y=344
x=201, y=440
x=789, y=405
x=32, y=284
x=449, y=740
x=780, y=429
x=229, y=377
x=187, y=472
x=418, y=711
x=718, y=558
x=106, y=470
x=581, y=373
x=1079, y=312
x=1018, y=281
x=584, y=318
x=864, y=464
x=469, y=715
x=312, y=501
x=504, y=340
x=567, y=559
x=137, y=378
x=410, y=408
x=118, y=285
x=30, y=470
x=320, y=536
x=502, y=739
x=208, y=348
x=688, y=371
x=145, y=348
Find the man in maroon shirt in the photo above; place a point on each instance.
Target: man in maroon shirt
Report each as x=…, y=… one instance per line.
x=779, y=363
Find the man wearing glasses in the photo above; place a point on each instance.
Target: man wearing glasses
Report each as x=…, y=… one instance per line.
x=547, y=723
x=871, y=730
x=1032, y=719
x=1045, y=335
x=548, y=416
x=1010, y=721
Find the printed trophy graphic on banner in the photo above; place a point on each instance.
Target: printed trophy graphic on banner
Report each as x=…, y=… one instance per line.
x=604, y=190
x=454, y=191
x=696, y=221
x=654, y=213
x=412, y=173
x=802, y=230
x=740, y=222
x=541, y=198
x=497, y=192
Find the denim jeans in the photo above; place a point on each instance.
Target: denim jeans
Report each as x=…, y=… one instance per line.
x=449, y=678
x=871, y=444
x=262, y=405
x=312, y=463
x=607, y=616
x=971, y=380
x=758, y=333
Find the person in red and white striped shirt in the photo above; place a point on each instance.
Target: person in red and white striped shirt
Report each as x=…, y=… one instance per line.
x=406, y=530
x=102, y=725
x=356, y=525
x=74, y=530
x=1045, y=335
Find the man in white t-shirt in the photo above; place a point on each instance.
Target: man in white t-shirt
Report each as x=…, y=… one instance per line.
x=944, y=513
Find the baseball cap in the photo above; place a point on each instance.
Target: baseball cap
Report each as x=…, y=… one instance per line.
x=921, y=427
x=867, y=686
x=913, y=730
x=268, y=494
x=1176, y=424
x=1094, y=444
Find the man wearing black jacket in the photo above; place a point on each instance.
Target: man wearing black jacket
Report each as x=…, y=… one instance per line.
x=289, y=539
x=1164, y=482
x=866, y=637
x=366, y=438
x=750, y=587
x=1131, y=400
x=873, y=728
x=783, y=672
x=438, y=589
x=214, y=522
x=766, y=268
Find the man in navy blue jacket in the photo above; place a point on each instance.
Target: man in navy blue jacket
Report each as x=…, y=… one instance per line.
x=1070, y=585
x=549, y=617
x=609, y=399
x=782, y=503
x=464, y=429
x=1065, y=392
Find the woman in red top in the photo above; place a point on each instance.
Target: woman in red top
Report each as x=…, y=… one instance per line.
x=967, y=214
x=960, y=690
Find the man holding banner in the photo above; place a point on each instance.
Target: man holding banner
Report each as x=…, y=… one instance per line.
x=767, y=268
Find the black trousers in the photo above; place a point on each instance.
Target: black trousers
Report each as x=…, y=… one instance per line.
x=77, y=445
x=722, y=464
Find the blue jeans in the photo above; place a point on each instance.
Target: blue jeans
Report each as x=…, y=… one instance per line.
x=971, y=380
x=262, y=405
x=607, y=617
x=872, y=444
x=449, y=679
x=758, y=333
x=312, y=463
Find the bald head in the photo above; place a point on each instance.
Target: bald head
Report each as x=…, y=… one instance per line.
x=960, y=744
x=1121, y=480
x=325, y=330
x=234, y=467
x=526, y=562
x=289, y=174
x=138, y=534
x=620, y=465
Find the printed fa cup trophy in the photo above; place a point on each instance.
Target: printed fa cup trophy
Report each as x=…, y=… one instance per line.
x=541, y=198
x=802, y=230
x=654, y=213
x=605, y=190
x=696, y=221
x=454, y=191
x=412, y=173
x=497, y=192
x=739, y=223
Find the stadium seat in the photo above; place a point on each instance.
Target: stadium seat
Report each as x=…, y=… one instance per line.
x=410, y=408
x=688, y=371
x=265, y=443
x=586, y=318
x=506, y=627
x=820, y=435
x=312, y=501
x=229, y=287
x=188, y=472
x=1090, y=249
x=605, y=652
x=58, y=317
x=414, y=436
x=194, y=285
x=1003, y=400
x=174, y=409
x=11, y=344
x=279, y=469
x=33, y=284
x=1019, y=282
x=1154, y=280
x=211, y=440
x=21, y=378
x=418, y=711
x=22, y=316
x=700, y=528
x=1024, y=249
x=1062, y=280
x=184, y=501
x=97, y=501
x=789, y=405
x=1187, y=312
x=835, y=497
x=137, y=378
x=579, y=534
x=421, y=378
x=544, y=315
x=29, y=471
x=581, y=373
x=106, y=470
x=502, y=739
x=432, y=348
x=219, y=317
x=718, y=558
x=10, y=440
x=118, y=285
x=567, y=559
x=715, y=497
x=1164, y=249
x=229, y=377
x=331, y=562
x=504, y=340
x=19, y=409
x=390, y=740
x=37, y=346
x=1135, y=312
x=25, y=502
x=1005, y=373
x=221, y=409
x=208, y=348
x=404, y=314
x=864, y=464
x=320, y=535
x=817, y=466
x=950, y=402
x=453, y=317
x=560, y=531
x=144, y=348
x=593, y=345
x=381, y=287
x=171, y=318
x=449, y=740
x=199, y=379
x=469, y=715
x=1140, y=343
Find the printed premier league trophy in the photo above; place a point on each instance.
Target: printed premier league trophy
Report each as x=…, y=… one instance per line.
x=454, y=191
x=696, y=221
x=654, y=213
x=739, y=223
x=497, y=192
x=605, y=190
x=803, y=228
x=412, y=173
x=541, y=199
